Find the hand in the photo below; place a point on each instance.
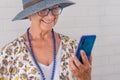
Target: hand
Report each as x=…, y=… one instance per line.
x=81, y=70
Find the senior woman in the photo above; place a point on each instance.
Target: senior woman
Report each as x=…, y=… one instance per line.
x=41, y=53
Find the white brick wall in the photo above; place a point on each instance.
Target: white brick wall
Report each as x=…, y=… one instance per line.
x=100, y=17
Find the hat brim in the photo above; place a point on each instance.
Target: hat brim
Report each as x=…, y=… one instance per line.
x=40, y=6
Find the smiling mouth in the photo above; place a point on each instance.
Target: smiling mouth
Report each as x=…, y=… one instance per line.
x=48, y=22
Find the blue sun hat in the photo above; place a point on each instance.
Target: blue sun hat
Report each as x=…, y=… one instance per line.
x=33, y=6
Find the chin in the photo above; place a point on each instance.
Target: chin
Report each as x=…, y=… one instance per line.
x=48, y=26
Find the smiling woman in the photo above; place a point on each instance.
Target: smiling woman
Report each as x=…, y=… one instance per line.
x=41, y=53
x=46, y=18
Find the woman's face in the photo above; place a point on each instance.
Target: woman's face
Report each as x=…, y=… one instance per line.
x=45, y=22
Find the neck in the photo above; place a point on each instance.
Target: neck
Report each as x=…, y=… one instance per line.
x=37, y=33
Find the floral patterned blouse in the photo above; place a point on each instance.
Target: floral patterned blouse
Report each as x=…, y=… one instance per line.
x=16, y=62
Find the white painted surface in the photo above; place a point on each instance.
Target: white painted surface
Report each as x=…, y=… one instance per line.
x=100, y=17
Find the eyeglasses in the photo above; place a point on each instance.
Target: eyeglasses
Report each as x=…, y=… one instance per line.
x=55, y=11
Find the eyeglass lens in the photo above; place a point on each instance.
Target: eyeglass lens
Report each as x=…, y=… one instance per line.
x=55, y=11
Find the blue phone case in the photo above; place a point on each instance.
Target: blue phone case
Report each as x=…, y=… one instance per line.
x=86, y=43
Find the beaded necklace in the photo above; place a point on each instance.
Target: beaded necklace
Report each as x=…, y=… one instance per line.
x=32, y=53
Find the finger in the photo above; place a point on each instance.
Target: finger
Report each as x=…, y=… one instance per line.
x=84, y=57
x=90, y=60
x=73, y=68
x=73, y=71
x=78, y=64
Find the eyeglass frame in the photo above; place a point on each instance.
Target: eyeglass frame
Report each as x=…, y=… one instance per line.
x=51, y=9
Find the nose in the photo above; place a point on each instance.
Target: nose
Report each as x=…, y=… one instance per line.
x=50, y=15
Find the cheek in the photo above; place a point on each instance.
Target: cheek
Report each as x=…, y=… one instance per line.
x=39, y=19
x=36, y=19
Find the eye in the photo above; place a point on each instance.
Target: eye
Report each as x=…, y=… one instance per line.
x=44, y=11
x=57, y=10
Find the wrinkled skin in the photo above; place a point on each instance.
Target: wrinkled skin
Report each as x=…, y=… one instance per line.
x=81, y=71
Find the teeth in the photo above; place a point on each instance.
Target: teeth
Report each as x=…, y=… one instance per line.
x=48, y=22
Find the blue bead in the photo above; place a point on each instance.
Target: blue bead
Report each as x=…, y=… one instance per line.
x=32, y=53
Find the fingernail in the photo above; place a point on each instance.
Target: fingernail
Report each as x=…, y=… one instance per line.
x=81, y=51
x=72, y=55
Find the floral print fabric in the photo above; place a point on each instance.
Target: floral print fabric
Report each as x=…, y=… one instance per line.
x=16, y=62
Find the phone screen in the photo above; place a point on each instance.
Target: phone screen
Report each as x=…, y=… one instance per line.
x=86, y=43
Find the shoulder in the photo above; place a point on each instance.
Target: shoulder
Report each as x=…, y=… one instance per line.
x=69, y=40
x=12, y=46
x=8, y=52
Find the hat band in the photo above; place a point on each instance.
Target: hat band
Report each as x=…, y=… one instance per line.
x=31, y=3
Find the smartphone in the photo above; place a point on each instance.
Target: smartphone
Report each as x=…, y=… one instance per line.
x=86, y=43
